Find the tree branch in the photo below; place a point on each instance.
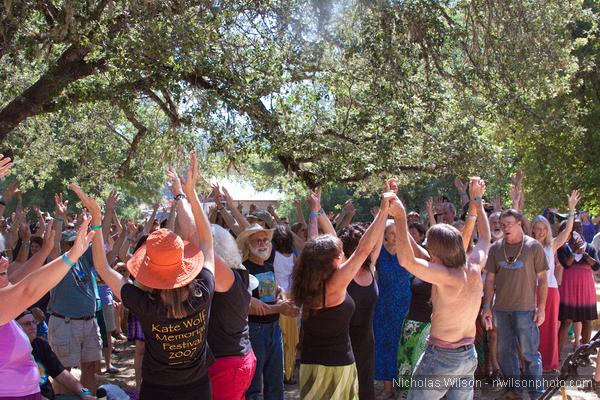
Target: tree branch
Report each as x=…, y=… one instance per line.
x=141, y=133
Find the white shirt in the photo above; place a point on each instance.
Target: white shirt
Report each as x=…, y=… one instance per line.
x=596, y=242
x=552, y=282
x=283, y=266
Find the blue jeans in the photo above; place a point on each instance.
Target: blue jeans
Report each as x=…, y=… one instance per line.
x=518, y=327
x=442, y=372
x=267, y=345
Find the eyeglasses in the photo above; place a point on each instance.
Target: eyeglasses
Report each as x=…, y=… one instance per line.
x=260, y=241
x=508, y=225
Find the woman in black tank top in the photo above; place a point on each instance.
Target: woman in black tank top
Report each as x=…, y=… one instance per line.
x=364, y=291
x=319, y=282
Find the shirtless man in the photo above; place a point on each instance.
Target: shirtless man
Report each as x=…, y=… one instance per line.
x=450, y=360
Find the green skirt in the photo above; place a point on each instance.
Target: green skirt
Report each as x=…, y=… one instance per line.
x=412, y=345
x=320, y=382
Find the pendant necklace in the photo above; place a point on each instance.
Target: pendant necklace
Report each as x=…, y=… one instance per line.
x=512, y=260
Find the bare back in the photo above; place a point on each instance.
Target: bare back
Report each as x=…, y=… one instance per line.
x=455, y=309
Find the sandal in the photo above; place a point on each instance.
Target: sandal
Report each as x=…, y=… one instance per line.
x=112, y=371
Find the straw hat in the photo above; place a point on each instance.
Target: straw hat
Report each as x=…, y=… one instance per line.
x=165, y=261
x=249, y=231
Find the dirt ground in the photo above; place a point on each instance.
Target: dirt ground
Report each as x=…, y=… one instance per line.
x=125, y=378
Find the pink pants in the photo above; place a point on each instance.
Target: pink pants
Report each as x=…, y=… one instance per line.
x=230, y=377
x=549, y=332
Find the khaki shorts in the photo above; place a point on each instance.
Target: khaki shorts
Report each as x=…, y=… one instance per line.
x=75, y=342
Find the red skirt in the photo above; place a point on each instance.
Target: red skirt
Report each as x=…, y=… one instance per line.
x=549, y=331
x=230, y=377
x=578, y=294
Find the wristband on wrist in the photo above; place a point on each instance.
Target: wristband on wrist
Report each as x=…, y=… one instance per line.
x=321, y=212
x=471, y=216
x=476, y=198
x=95, y=227
x=26, y=244
x=85, y=392
x=61, y=219
x=486, y=306
x=180, y=196
x=313, y=214
x=67, y=261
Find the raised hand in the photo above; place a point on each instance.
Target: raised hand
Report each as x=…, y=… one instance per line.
x=252, y=208
x=88, y=202
x=83, y=239
x=391, y=185
x=430, y=206
x=189, y=185
x=314, y=200
x=459, y=185
x=5, y=165
x=396, y=208
x=48, y=239
x=112, y=201
x=10, y=191
x=573, y=199
x=270, y=209
x=24, y=232
x=518, y=178
x=217, y=193
x=229, y=199
x=175, y=183
x=60, y=206
x=240, y=206
x=476, y=187
x=132, y=230
x=497, y=204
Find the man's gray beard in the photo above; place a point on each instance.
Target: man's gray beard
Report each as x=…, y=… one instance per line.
x=263, y=255
x=497, y=234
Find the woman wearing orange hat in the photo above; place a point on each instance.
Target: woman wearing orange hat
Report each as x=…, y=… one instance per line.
x=174, y=314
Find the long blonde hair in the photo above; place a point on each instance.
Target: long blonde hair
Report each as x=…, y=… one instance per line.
x=540, y=219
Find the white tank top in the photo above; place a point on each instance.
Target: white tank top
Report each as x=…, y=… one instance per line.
x=283, y=266
x=552, y=282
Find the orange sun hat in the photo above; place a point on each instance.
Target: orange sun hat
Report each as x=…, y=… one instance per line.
x=165, y=261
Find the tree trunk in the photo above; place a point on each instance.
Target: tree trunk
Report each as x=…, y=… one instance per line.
x=70, y=67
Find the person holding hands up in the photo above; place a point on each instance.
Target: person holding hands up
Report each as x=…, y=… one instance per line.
x=457, y=285
x=174, y=305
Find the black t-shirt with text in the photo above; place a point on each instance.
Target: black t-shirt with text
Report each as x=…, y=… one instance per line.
x=48, y=364
x=266, y=290
x=176, y=349
x=228, y=333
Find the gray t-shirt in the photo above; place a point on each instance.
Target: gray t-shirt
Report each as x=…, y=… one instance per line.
x=516, y=282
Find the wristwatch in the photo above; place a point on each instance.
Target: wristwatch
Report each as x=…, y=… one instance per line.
x=180, y=196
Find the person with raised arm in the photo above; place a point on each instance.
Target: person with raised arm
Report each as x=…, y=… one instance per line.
x=542, y=232
x=319, y=282
x=457, y=285
x=228, y=332
x=19, y=374
x=391, y=307
x=174, y=313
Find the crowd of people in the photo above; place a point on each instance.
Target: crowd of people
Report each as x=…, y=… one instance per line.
x=228, y=304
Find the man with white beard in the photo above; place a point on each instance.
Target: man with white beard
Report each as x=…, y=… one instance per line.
x=263, y=320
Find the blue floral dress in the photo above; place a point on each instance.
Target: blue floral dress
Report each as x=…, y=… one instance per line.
x=391, y=309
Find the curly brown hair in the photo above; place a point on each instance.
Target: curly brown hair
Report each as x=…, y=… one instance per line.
x=313, y=269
